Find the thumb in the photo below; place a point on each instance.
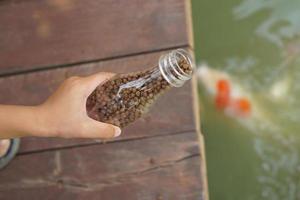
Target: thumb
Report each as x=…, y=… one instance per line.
x=91, y=82
x=95, y=129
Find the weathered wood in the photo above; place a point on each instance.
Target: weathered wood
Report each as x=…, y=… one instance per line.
x=36, y=34
x=164, y=167
x=200, y=138
x=157, y=158
x=172, y=113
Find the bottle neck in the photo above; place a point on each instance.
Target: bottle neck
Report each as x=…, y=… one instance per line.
x=176, y=67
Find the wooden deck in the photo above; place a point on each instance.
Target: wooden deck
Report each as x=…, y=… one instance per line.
x=160, y=157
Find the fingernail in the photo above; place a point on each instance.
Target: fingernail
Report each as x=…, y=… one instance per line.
x=117, y=131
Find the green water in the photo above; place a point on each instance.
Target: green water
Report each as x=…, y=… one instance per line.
x=257, y=42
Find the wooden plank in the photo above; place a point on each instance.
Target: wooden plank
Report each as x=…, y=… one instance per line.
x=37, y=34
x=189, y=23
x=196, y=108
x=200, y=139
x=165, y=167
x=172, y=113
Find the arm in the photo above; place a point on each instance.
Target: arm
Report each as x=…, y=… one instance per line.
x=62, y=115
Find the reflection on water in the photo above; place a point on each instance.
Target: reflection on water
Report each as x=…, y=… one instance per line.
x=256, y=43
x=282, y=22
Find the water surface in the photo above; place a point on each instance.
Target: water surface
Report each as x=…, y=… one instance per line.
x=257, y=42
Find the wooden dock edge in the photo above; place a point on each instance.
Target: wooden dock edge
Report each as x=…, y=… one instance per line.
x=205, y=195
x=200, y=139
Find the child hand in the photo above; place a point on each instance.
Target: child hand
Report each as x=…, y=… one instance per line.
x=65, y=115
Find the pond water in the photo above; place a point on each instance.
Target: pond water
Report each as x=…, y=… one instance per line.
x=256, y=43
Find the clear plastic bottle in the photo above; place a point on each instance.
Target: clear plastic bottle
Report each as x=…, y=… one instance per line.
x=126, y=97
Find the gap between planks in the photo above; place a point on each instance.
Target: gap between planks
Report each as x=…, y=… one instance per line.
x=94, y=142
x=52, y=67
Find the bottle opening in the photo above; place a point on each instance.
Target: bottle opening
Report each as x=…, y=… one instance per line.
x=176, y=67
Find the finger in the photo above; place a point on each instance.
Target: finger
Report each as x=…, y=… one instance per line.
x=95, y=129
x=91, y=82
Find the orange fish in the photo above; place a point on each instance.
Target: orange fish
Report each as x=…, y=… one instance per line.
x=222, y=98
x=240, y=106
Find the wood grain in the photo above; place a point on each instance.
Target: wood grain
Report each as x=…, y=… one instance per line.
x=165, y=167
x=44, y=42
x=172, y=113
x=36, y=34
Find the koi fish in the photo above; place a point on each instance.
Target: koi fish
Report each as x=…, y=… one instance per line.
x=228, y=97
x=235, y=101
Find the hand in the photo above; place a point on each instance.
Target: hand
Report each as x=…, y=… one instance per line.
x=64, y=113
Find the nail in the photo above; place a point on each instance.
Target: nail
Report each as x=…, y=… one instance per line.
x=117, y=131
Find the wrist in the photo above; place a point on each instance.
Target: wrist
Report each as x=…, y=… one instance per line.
x=20, y=121
x=41, y=127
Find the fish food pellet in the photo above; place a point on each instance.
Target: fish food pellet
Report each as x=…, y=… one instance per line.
x=126, y=97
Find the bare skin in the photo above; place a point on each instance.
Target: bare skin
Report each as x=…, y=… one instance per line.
x=4, y=146
x=63, y=114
